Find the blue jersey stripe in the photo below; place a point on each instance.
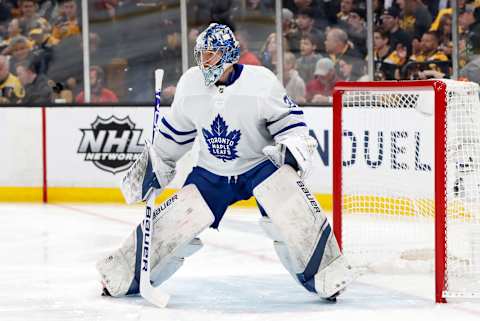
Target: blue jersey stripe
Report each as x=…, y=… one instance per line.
x=296, y=112
x=289, y=127
x=167, y=136
x=176, y=132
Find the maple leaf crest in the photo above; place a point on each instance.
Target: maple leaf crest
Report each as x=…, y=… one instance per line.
x=221, y=143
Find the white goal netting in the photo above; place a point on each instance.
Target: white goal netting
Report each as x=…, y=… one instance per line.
x=388, y=181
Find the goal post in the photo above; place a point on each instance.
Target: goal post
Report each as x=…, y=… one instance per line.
x=406, y=180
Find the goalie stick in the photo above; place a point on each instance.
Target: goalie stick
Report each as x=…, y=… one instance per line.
x=150, y=293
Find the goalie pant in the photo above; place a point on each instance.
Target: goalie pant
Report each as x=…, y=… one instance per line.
x=219, y=192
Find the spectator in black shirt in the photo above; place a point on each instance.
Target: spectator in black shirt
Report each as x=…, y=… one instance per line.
x=338, y=45
x=318, y=8
x=346, y=6
x=391, y=24
x=37, y=88
x=43, y=48
x=471, y=71
x=357, y=30
x=5, y=15
x=306, y=26
x=473, y=32
x=415, y=17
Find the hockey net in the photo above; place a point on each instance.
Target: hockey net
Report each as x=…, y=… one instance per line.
x=406, y=159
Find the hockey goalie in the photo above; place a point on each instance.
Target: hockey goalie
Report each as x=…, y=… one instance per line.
x=253, y=142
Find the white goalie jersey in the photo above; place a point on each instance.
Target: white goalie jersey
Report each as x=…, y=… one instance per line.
x=233, y=123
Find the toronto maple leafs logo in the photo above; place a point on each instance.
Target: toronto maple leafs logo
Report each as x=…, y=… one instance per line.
x=221, y=143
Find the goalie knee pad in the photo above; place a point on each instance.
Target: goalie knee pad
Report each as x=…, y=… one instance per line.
x=176, y=224
x=302, y=235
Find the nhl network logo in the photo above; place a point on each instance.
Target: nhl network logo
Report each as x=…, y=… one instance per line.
x=111, y=144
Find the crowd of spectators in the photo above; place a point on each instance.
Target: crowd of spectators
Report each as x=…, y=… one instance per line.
x=41, y=46
x=324, y=41
x=34, y=37
x=412, y=40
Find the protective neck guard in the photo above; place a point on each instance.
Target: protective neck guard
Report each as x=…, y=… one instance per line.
x=234, y=75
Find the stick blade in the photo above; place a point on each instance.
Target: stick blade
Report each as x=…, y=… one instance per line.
x=155, y=296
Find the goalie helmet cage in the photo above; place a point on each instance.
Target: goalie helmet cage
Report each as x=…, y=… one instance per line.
x=379, y=206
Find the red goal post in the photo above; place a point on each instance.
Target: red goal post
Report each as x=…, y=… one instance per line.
x=372, y=200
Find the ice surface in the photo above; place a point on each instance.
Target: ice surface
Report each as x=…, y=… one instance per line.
x=47, y=272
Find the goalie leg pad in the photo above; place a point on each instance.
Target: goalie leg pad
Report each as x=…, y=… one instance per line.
x=177, y=222
x=279, y=246
x=163, y=272
x=312, y=254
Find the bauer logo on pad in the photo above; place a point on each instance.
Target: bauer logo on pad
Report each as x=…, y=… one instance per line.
x=112, y=144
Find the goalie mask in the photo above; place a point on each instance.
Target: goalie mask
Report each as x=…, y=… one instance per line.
x=216, y=49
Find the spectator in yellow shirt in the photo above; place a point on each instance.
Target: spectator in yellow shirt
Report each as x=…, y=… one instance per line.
x=13, y=31
x=346, y=6
x=382, y=50
x=430, y=52
x=11, y=89
x=430, y=58
x=445, y=35
x=20, y=50
x=387, y=60
x=30, y=19
x=67, y=23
